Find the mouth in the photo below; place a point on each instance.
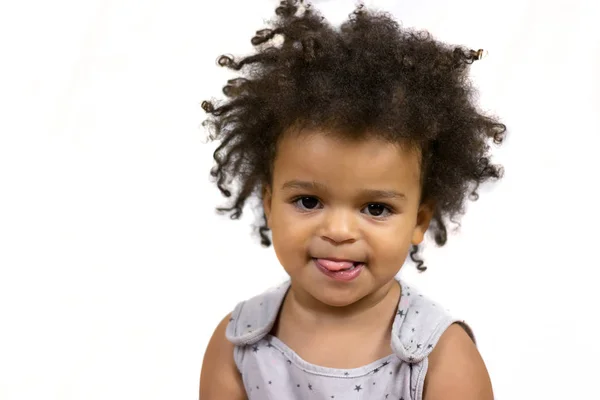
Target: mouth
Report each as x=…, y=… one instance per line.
x=339, y=270
x=338, y=265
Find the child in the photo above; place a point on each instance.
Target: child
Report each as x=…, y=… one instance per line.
x=357, y=141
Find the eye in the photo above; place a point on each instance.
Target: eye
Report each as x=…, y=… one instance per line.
x=378, y=210
x=306, y=202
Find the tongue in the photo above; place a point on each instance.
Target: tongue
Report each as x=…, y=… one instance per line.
x=335, y=265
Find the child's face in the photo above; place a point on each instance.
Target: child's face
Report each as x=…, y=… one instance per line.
x=336, y=199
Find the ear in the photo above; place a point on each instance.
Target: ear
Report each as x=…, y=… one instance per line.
x=424, y=216
x=266, y=202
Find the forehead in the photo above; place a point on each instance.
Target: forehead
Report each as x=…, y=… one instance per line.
x=333, y=160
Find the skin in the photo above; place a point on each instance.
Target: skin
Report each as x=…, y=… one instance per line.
x=332, y=176
x=335, y=175
x=356, y=200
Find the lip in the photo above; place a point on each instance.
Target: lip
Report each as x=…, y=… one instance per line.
x=339, y=259
x=340, y=276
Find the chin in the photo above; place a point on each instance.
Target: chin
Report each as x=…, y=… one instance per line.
x=339, y=301
x=337, y=296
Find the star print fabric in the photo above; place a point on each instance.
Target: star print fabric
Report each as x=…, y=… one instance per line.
x=278, y=373
x=272, y=370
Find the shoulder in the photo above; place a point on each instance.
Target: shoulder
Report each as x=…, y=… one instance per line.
x=456, y=369
x=252, y=319
x=419, y=325
x=219, y=377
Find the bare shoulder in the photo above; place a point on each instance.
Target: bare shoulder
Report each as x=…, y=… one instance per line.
x=220, y=378
x=456, y=369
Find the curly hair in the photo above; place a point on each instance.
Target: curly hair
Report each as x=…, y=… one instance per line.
x=368, y=77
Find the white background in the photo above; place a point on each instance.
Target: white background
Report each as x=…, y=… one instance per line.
x=115, y=269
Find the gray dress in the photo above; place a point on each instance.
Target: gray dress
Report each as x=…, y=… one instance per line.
x=271, y=370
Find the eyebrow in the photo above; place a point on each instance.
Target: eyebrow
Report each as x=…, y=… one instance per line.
x=380, y=194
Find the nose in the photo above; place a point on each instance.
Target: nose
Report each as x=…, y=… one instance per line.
x=339, y=226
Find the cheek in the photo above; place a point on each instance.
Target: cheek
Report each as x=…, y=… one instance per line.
x=290, y=234
x=288, y=224
x=391, y=250
x=390, y=245
x=290, y=252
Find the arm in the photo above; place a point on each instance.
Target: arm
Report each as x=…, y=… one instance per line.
x=456, y=369
x=220, y=378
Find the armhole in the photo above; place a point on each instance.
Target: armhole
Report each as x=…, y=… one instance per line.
x=217, y=372
x=467, y=329
x=238, y=356
x=420, y=380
